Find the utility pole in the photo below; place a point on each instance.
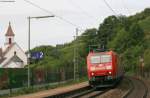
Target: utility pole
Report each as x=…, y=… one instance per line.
x=29, y=41
x=29, y=18
x=76, y=67
x=76, y=54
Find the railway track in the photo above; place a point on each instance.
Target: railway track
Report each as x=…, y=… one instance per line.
x=87, y=92
x=73, y=92
x=138, y=89
x=92, y=93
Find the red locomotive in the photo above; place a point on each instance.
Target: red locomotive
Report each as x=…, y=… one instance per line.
x=104, y=68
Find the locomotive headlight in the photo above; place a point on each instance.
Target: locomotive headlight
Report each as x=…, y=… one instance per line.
x=109, y=72
x=92, y=73
x=108, y=67
x=93, y=69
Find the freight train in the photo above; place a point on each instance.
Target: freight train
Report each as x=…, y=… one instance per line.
x=104, y=68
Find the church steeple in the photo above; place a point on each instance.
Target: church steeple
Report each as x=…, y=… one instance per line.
x=9, y=35
x=9, y=31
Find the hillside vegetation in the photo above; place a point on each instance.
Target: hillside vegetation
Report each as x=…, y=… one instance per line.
x=128, y=36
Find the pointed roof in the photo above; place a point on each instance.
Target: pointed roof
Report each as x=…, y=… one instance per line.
x=2, y=59
x=15, y=59
x=8, y=48
x=1, y=52
x=9, y=31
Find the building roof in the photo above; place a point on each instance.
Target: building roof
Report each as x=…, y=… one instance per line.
x=1, y=52
x=9, y=31
x=2, y=59
x=8, y=48
x=15, y=59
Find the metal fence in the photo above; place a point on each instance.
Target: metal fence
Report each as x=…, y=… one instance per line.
x=16, y=78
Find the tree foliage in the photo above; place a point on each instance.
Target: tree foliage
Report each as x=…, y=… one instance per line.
x=128, y=36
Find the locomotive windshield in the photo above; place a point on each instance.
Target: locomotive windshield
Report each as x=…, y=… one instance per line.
x=105, y=58
x=95, y=59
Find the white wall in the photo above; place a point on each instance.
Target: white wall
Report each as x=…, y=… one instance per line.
x=19, y=52
x=13, y=65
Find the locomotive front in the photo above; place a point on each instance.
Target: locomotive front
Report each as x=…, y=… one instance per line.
x=100, y=68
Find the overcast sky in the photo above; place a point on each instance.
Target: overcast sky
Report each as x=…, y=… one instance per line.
x=52, y=31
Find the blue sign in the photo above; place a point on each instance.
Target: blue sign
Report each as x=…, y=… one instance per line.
x=37, y=55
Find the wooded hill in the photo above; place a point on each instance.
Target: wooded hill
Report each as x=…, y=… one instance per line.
x=128, y=36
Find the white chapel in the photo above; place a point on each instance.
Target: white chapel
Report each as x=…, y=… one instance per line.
x=11, y=55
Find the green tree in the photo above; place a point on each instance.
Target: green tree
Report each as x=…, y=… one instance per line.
x=106, y=30
x=120, y=42
x=136, y=34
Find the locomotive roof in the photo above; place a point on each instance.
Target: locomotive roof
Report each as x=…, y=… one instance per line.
x=105, y=52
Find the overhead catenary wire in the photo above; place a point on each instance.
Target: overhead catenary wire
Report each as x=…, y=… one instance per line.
x=106, y=3
x=82, y=10
x=125, y=6
x=47, y=11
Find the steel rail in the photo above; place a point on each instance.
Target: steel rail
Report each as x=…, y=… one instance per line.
x=95, y=94
x=69, y=93
x=130, y=90
x=146, y=88
x=82, y=93
x=133, y=88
